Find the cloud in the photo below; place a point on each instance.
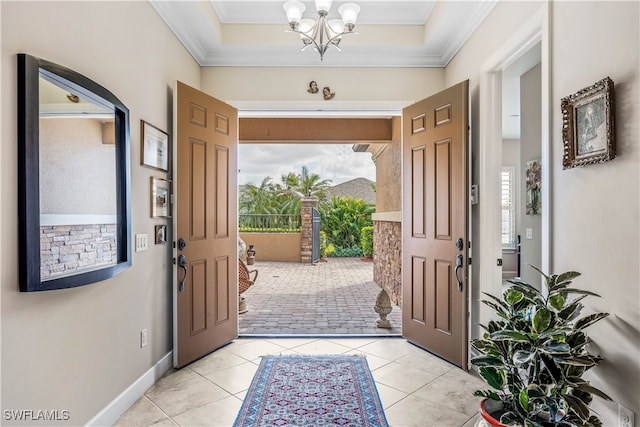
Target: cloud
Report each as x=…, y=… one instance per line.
x=336, y=162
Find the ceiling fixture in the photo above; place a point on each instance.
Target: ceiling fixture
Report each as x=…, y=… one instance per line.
x=323, y=33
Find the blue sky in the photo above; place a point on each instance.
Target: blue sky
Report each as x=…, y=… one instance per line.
x=337, y=162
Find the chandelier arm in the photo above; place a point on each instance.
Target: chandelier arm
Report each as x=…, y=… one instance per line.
x=337, y=36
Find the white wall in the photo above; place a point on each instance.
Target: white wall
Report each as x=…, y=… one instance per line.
x=595, y=210
x=77, y=349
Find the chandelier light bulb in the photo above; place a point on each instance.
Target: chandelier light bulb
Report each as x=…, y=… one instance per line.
x=306, y=25
x=336, y=25
x=349, y=13
x=294, y=10
x=323, y=6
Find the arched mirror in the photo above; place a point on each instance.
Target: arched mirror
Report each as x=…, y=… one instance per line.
x=74, y=179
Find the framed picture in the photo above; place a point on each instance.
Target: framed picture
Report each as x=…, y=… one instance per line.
x=533, y=180
x=588, y=130
x=161, y=234
x=155, y=147
x=160, y=198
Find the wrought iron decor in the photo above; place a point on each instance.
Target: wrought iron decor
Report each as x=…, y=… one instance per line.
x=588, y=128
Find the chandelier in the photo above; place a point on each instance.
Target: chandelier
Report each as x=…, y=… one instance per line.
x=323, y=33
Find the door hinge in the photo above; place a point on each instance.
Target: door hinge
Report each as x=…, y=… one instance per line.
x=469, y=260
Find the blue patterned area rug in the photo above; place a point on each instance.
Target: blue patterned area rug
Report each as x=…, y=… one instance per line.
x=319, y=391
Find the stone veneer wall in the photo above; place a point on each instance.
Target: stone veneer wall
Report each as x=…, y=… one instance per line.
x=67, y=248
x=387, y=258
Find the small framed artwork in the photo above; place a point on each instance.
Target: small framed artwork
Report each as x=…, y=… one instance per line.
x=588, y=129
x=160, y=198
x=155, y=147
x=533, y=181
x=161, y=234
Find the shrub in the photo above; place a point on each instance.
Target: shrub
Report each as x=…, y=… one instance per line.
x=352, y=251
x=366, y=240
x=343, y=218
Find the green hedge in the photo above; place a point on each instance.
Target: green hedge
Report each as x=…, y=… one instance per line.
x=366, y=240
x=268, y=230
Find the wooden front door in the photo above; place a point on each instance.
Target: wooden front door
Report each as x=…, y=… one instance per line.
x=206, y=301
x=435, y=212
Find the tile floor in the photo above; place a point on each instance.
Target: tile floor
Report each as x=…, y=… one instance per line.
x=333, y=297
x=416, y=388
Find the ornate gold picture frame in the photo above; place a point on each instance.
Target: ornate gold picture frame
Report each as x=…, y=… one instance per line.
x=588, y=129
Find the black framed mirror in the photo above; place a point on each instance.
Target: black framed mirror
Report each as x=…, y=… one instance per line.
x=74, y=196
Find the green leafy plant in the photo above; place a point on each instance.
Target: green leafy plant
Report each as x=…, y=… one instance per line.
x=343, y=218
x=535, y=355
x=352, y=251
x=366, y=240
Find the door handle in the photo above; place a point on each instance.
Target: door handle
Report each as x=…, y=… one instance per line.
x=459, y=265
x=182, y=263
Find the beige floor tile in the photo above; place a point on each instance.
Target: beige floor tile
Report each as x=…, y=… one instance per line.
x=352, y=342
x=290, y=343
x=414, y=412
x=217, y=360
x=389, y=395
x=374, y=362
x=217, y=414
x=235, y=379
x=402, y=377
x=142, y=413
x=253, y=350
x=183, y=390
x=164, y=423
x=322, y=347
x=426, y=361
x=472, y=421
x=453, y=392
x=390, y=349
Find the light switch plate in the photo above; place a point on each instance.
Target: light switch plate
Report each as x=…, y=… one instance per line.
x=142, y=242
x=529, y=232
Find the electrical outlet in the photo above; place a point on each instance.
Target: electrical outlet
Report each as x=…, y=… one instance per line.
x=142, y=242
x=143, y=338
x=625, y=417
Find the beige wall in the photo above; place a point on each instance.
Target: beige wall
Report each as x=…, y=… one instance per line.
x=595, y=209
x=78, y=349
x=530, y=149
x=70, y=148
x=281, y=247
x=389, y=173
x=349, y=84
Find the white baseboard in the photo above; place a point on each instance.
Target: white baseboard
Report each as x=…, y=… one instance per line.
x=118, y=406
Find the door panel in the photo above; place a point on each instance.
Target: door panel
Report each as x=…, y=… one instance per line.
x=435, y=159
x=205, y=205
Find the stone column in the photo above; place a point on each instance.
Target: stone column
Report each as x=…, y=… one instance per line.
x=306, y=219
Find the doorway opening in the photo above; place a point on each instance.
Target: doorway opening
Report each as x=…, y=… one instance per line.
x=292, y=295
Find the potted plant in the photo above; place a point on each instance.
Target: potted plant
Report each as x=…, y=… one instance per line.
x=534, y=356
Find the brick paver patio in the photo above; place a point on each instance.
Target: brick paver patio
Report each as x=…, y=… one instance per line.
x=332, y=298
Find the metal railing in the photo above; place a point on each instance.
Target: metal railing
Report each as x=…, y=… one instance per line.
x=269, y=223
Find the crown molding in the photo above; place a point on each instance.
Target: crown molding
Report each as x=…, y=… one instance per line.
x=195, y=30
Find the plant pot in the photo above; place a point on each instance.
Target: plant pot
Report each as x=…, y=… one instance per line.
x=487, y=408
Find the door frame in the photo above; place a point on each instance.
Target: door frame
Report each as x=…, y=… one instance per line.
x=535, y=30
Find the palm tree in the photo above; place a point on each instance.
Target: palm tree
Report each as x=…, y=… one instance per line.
x=258, y=199
x=310, y=184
